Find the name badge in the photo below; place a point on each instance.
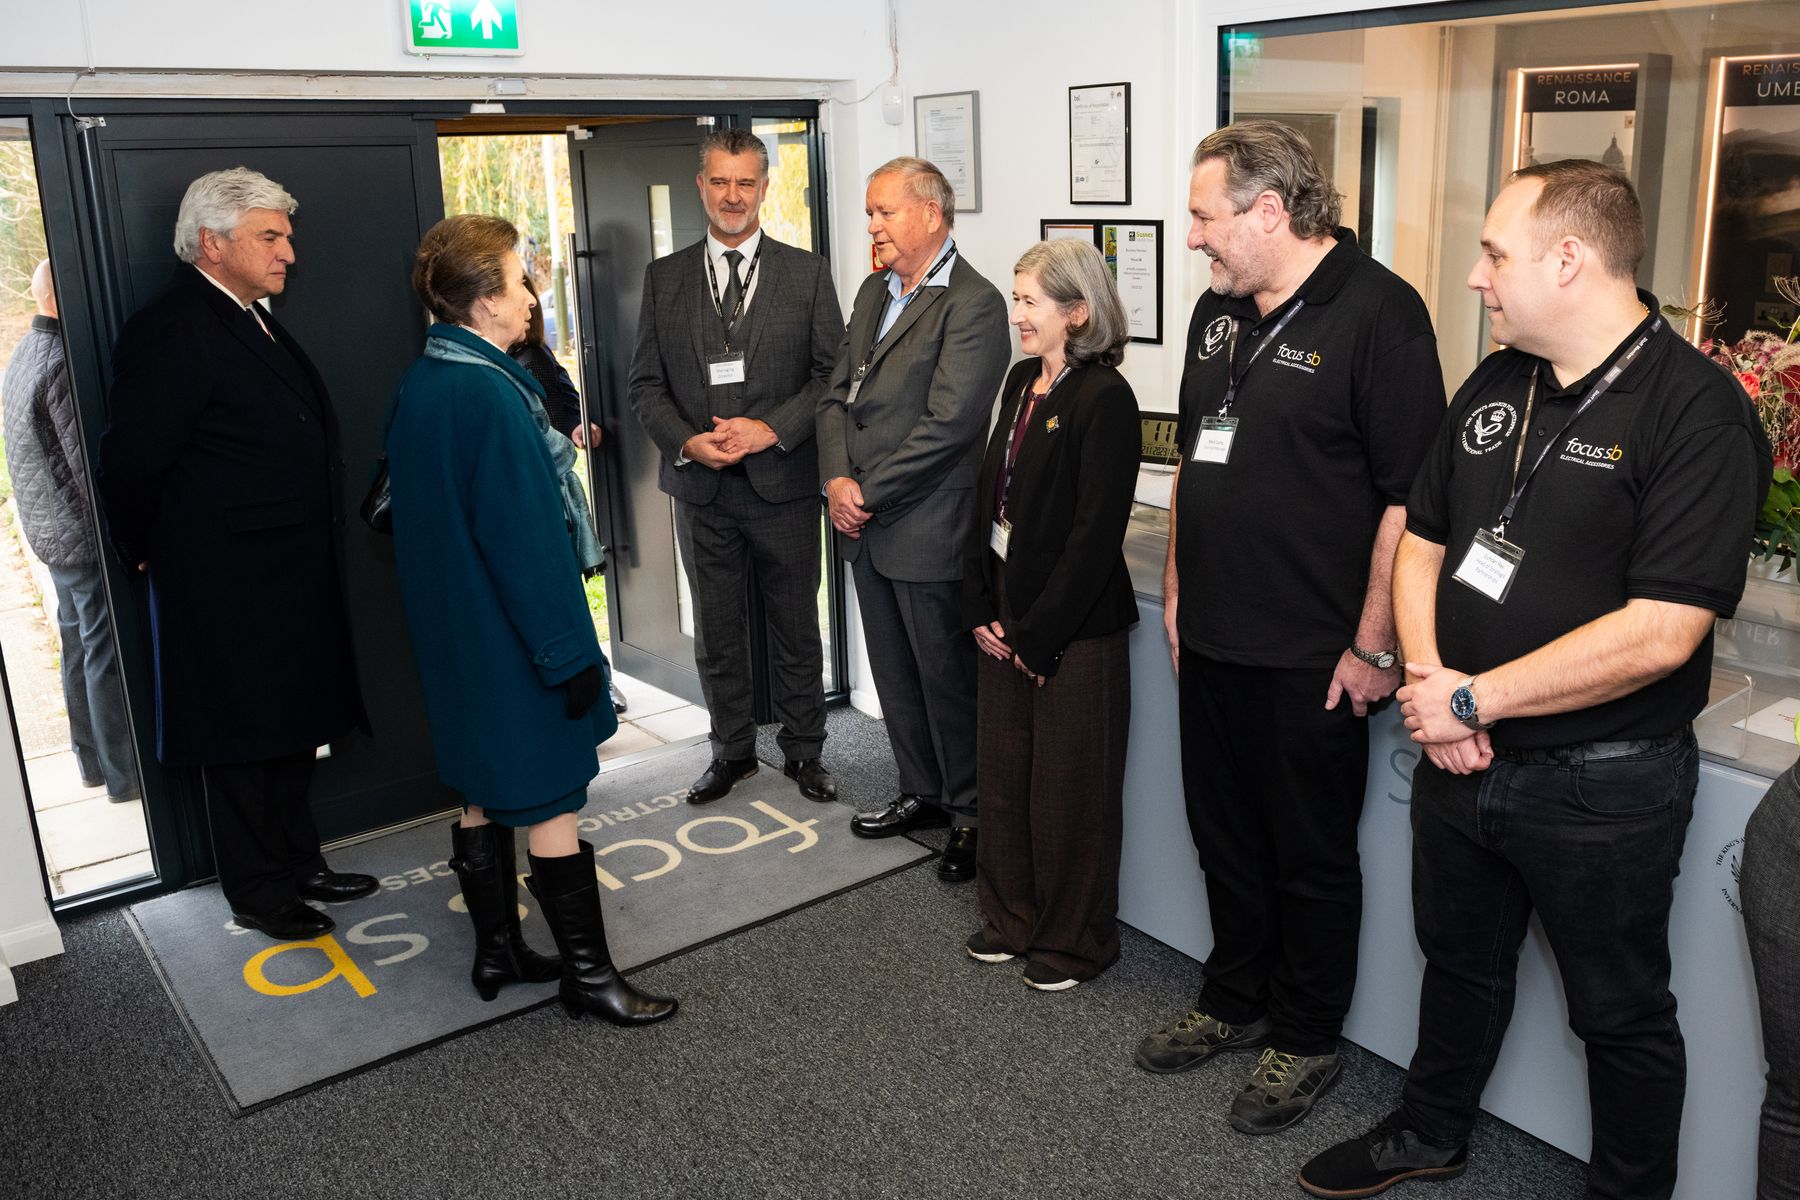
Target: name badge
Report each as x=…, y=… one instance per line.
x=999, y=537
x=726, y=368
x=1489, y=565
x=1214, y=443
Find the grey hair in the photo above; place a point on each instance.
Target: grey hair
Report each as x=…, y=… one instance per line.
x=218, y=200
x=1267, y=156
x=734, y=141
x=923, y=182
x=1072, y=272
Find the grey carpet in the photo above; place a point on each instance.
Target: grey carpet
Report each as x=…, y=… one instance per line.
x=674, y=876
x=849, y=1049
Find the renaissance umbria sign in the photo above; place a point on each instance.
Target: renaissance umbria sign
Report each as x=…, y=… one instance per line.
x=1752, y=82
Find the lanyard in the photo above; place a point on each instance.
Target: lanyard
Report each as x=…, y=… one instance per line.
x=904, y=301
x=1231, y=366
x=1014, y=442
x=1594, y=393
x=712, y=277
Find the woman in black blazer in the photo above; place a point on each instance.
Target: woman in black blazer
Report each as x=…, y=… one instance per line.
x=1047, y=594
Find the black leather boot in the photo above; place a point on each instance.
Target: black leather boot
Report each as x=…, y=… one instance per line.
x=483, y=859
x=569, y=892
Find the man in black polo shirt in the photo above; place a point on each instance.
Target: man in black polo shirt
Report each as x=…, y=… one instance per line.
x=1582, y=520
x=1310, y=395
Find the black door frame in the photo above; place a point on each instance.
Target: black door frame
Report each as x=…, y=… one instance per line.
x=82, y=248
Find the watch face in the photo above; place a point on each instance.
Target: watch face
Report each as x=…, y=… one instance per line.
x=1462, y=704
x=1385, y=660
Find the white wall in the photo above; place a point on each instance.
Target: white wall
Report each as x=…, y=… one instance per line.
x=27, y=932
x=695, y=39
x=1023, y=61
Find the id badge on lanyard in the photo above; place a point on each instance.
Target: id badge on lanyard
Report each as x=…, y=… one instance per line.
x=1491, y=561
x=1490, y=565
x=1212, y=444
x=727, y=368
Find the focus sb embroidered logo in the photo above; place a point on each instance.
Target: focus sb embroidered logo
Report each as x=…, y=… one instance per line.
x=1214, y=337
x=1605, y=457
x=1488, y=427
x=1300, y=360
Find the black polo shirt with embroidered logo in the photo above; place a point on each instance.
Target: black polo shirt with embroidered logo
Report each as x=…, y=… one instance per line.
x=1652, y=493
x=1272, y=547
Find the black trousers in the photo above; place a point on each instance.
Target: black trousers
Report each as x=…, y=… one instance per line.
x=264, y=840
x=1274, y=785
x=719, y=541
x=1051, y=768
x=923, y=661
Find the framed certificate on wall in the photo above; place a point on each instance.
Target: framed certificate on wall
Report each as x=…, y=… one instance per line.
x=1100, y=144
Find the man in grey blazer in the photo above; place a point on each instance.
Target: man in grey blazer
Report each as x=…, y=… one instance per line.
x=901, y=433
x=736, y=342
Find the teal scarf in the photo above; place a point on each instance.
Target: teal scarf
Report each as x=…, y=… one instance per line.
x=588, y=551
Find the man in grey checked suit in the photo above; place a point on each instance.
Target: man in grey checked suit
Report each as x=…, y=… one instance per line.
x=901, y=433
x=736, y=341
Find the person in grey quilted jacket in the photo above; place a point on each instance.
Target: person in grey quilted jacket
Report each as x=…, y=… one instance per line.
x=43, y=454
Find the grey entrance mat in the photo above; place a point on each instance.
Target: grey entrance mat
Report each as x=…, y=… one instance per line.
x=275, y=1018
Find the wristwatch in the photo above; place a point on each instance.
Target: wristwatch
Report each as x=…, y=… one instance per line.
x=1462, y=706
x=1381, y=660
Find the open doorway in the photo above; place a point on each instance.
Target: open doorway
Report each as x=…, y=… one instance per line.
x=56, y=630
x=523, y=176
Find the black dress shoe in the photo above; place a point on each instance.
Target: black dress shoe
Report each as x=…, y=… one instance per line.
x=958, y=863
x=720, y=778
x=618, y=697
x=907, y=812
x=334, y=887
x=292, y=922
x=816, y=783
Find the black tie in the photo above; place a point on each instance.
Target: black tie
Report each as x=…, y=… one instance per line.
x=734, y=290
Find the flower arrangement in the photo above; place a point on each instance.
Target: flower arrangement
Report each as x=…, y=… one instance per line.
x=1768, y=367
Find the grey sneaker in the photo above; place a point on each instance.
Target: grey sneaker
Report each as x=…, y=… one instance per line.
x=1281, y=1090
x=1196, y=1038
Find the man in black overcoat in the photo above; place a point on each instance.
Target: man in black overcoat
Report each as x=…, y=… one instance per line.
x=221, y=478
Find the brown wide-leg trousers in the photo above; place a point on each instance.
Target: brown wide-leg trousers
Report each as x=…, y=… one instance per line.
x=1050, y=771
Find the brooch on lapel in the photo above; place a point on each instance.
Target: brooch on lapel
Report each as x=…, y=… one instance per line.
x=1052, y=424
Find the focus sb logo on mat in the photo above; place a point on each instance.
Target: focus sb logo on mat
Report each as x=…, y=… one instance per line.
x=387, y=940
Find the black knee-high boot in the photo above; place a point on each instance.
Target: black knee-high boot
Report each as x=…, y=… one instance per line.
x=483, y=859
x=570, y=893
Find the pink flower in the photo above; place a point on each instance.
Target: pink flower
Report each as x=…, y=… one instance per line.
x=1751, y=384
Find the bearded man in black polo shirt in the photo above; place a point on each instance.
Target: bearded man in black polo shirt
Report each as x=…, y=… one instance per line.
x=1310, y=395
x=1579, y=525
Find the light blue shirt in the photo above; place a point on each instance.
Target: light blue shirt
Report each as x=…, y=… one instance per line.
x=897, y=303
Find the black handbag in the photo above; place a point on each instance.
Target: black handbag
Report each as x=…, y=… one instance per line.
x=377, y=506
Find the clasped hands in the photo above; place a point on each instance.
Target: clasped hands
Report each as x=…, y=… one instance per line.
x=730, y=441
x=992, y=640
x=844, y=504
x=1448, y=743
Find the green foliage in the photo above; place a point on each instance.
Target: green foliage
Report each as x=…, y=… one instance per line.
x=21, y=229
x=596, y=600
x=1778, y=528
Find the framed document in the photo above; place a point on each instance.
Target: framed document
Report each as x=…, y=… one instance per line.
x=1133, y=251
x=1100, y=144
x=1085, y=231
x=947, y=132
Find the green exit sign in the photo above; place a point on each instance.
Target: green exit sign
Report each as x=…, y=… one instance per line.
x=462, y=27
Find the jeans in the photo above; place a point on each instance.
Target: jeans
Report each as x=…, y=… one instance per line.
x=1590, y=836
x=99, y=732
x=1769, y=883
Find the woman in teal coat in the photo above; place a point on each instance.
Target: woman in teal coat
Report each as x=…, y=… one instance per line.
x=491, y=538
